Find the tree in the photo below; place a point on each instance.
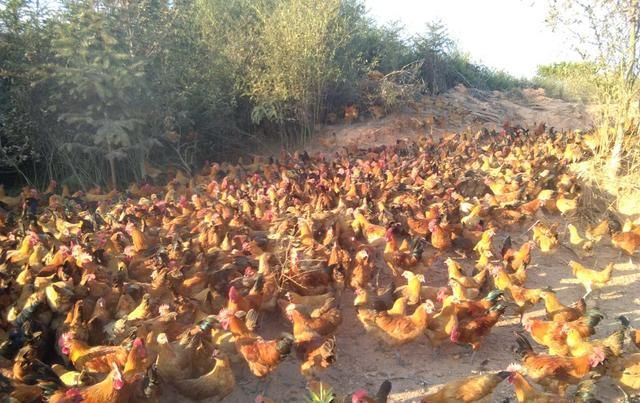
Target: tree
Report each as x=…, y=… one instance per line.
x=288, y=77
x=435, y=47
x=24, y=46
x=606, y=33
x=101, y=91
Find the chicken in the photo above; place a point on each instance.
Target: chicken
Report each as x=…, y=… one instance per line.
x=371, y=232
x=472, y=331
x=459, y=292
x=27, y=368
x=626, y=373
x=174, y=361
x=441, y=324
x=455, y=273
x=262, y=356
x=561, y=313
x=381, y=396
x=215, y=385
x=585, y=392
x=316, y=353
x=634, y=333
x=475, y=388
x=545, y=236
x=484, y=244
x=396, y=329
x=525, y=393
x=596, y=233
x=613, y=345
x=557, y=372
x=524, y=298
x=590, y=278
x=311, y=302
x=440, y=236
x=413, y=290
x=629, y=242
x=10, y=202
x=565, y=205
x=99, y=359
x=418, y=226
x=324, y=320
x=522, y=257
x=426, y=292
x=379, y=299
x=550, y=334
x=476, y=308
x=577, y=240
x=362, y=270
x=113, y=388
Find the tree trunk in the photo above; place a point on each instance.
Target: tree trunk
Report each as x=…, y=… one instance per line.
x=626, y=84
x=616, y=153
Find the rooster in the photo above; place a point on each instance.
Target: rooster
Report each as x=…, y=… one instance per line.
x=557, y=372
x=472, y=331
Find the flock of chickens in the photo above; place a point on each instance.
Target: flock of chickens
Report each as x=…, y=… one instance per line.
x=115, y=297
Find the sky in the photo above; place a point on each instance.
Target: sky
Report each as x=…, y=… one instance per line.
x=510, y=35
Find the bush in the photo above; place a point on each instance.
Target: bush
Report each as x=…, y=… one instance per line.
x=94, y=93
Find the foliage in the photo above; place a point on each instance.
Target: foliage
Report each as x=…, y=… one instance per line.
x=324, y=395
x=24, y=44
x=299, y=38
x=606, y=35
x=570, y=80
x=94, y=92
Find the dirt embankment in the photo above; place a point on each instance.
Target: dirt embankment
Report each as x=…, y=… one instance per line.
x=460, y=109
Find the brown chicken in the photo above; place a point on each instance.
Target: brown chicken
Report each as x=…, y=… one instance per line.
x=613, y=345
x=440, y=235
x=324, y=320
x=454, y=269
x=557, y=372
x=596, y=233
x=362, y=396
x=471, y=389
x=549, y=334
x=442, y=323
x=113, y=388
x=214, y=385
x=396, y=329
x=520, y=258
x=472, y=331
x=629, y=241
x=262, y=356
x=562, y=313
x=525, y=393
x=99, y=359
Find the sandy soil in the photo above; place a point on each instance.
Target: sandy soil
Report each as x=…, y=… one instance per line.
x=417, y=368
x=458, y=110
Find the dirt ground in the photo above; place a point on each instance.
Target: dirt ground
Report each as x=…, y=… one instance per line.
x=416, y=368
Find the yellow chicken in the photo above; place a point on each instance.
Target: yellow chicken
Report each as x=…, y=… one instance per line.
x=590, y=278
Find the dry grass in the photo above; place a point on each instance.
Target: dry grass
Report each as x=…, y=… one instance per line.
x=603, y=193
